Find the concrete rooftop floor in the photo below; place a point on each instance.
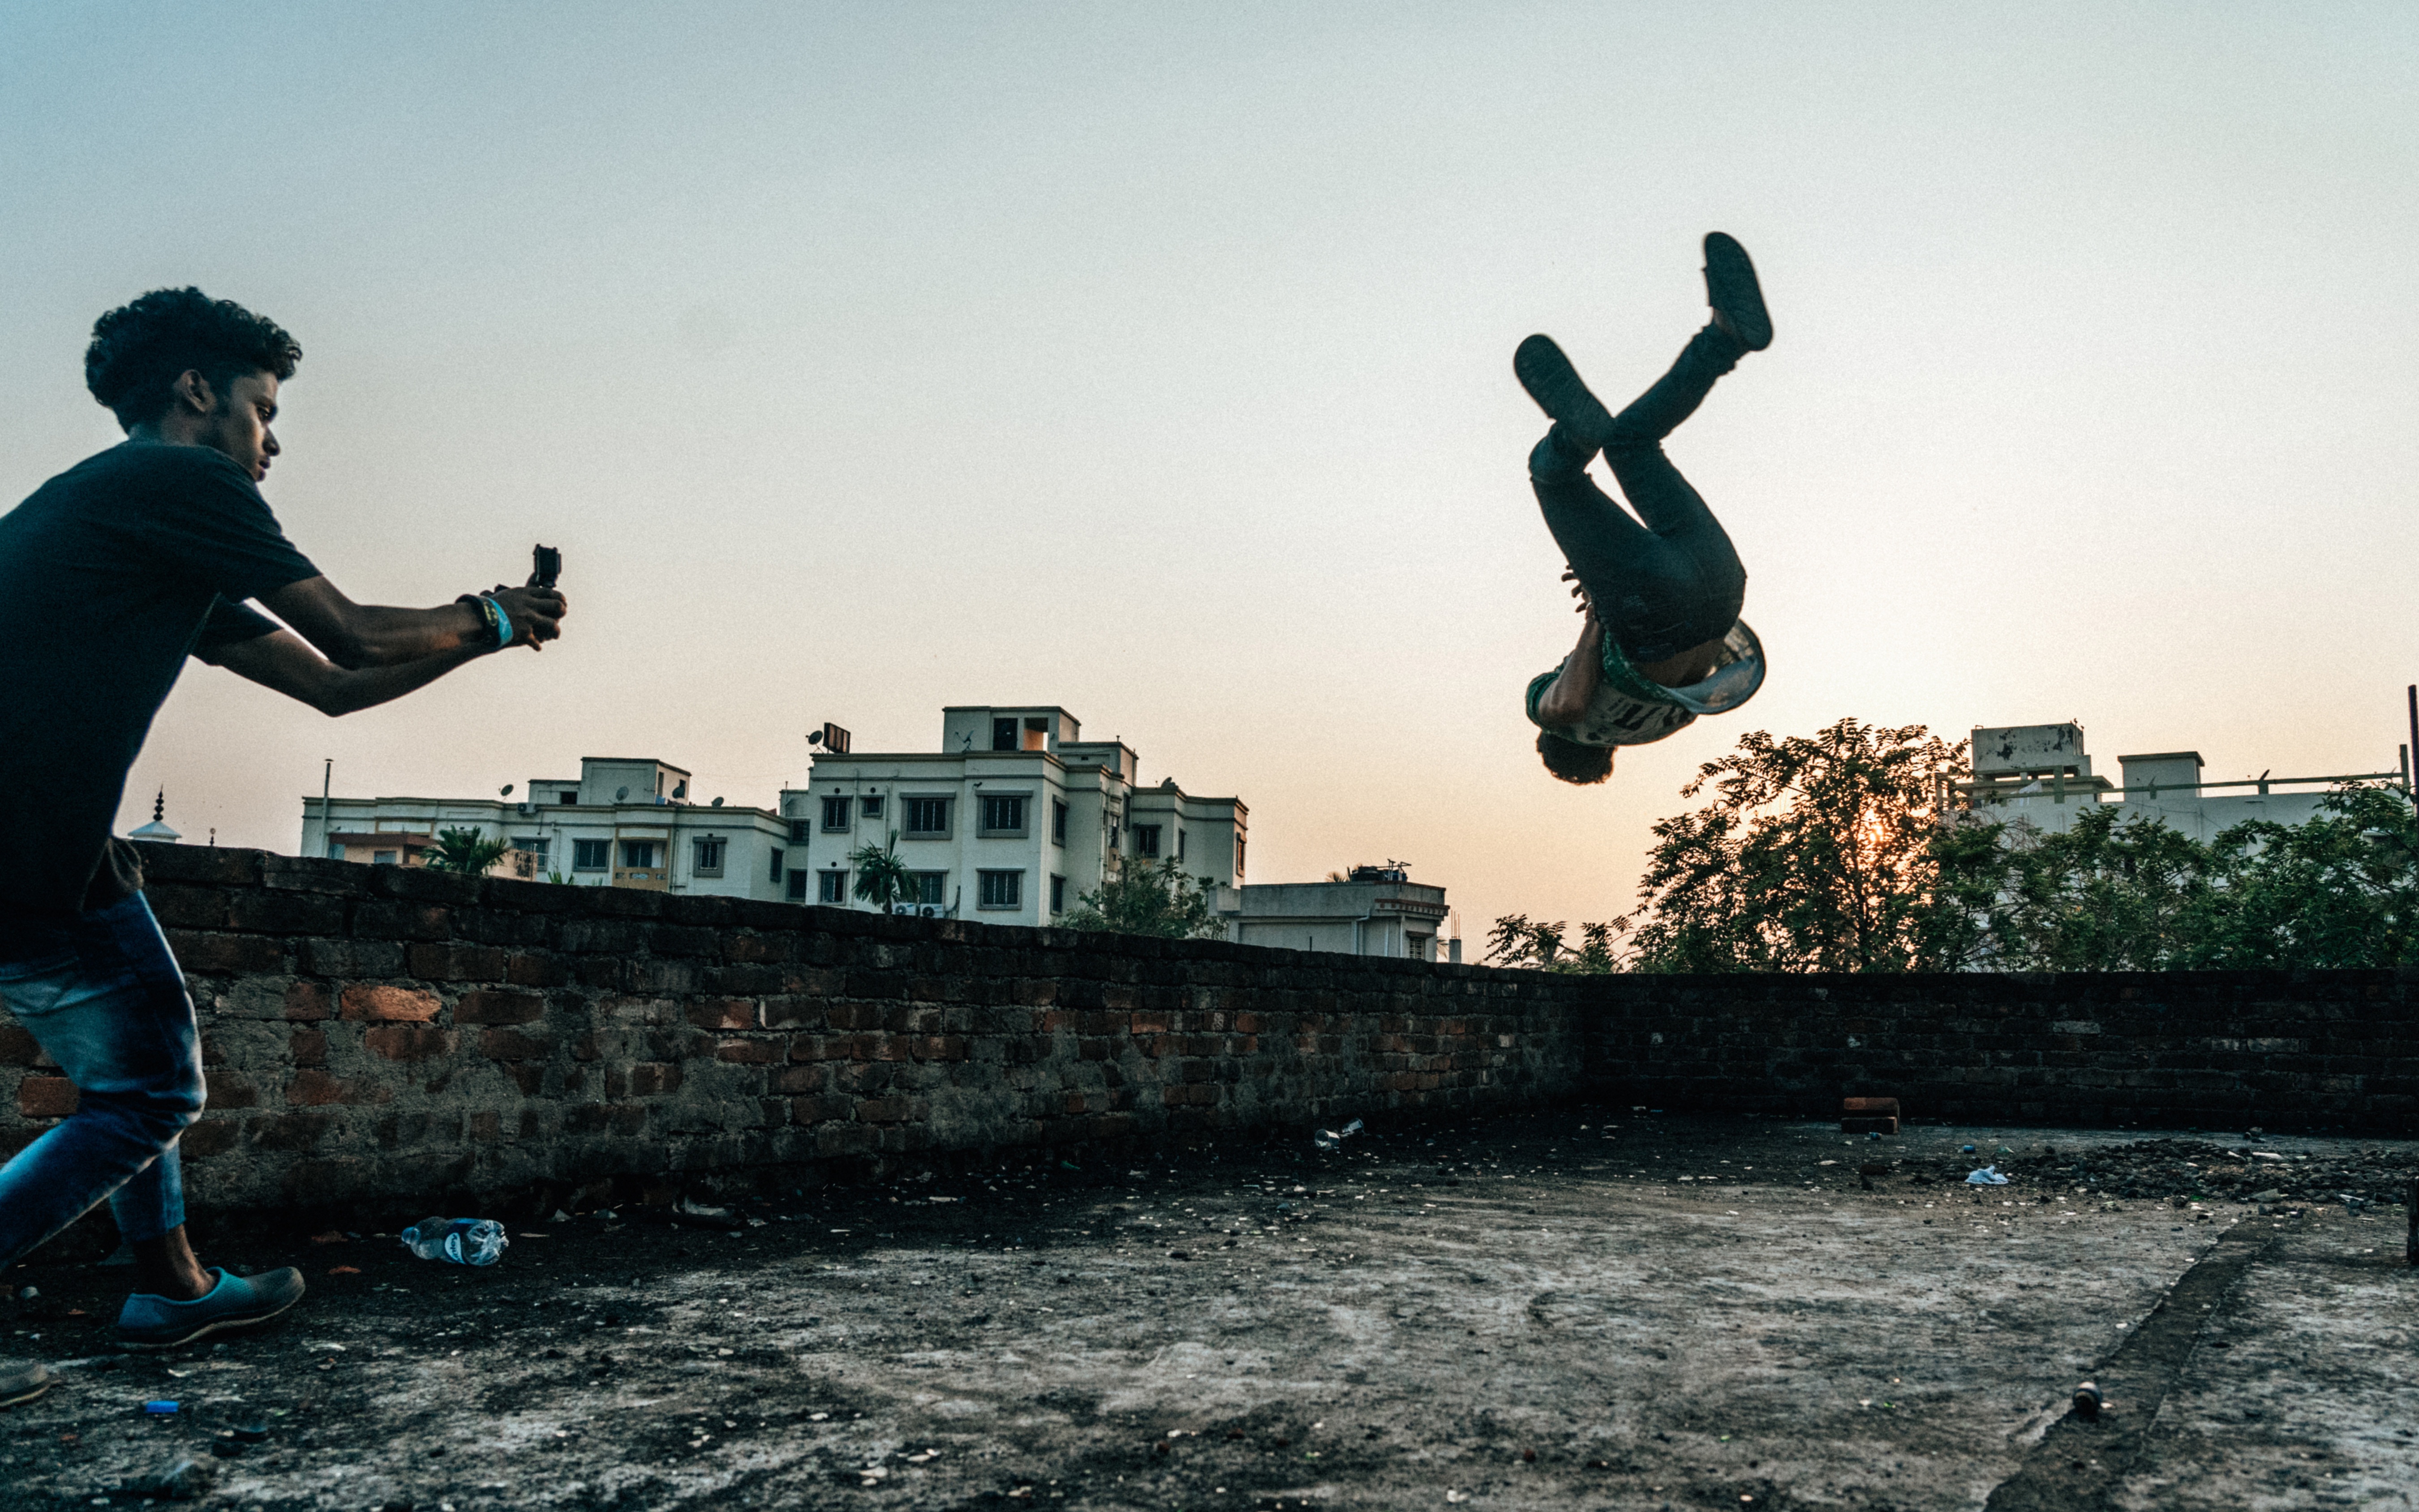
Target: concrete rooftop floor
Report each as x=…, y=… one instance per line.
x=1575, y=1308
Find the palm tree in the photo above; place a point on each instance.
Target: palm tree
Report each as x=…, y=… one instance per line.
x=881, y=877
x=465, y=850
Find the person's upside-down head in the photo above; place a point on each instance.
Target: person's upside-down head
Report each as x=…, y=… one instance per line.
x=1572, y=760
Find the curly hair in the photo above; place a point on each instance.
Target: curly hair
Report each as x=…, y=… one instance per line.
x=1572, y=762
x=139, y=349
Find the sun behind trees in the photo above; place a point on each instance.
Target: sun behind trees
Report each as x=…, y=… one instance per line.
x=1855, y=850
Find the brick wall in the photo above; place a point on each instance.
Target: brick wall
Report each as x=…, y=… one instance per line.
x=2203, y=1049
x=374, y=1032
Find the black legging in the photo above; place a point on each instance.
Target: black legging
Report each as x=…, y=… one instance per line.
x=1675, y=583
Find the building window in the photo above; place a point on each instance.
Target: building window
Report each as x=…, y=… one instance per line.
x=800, y=832
x=1114, y=838
x=927, y=887
x=1057, y=822
x=639, y=854
x=797, y=887
x=1179, y=843
x=1146, y=840
x=591, y=855
x=1238, y=861
x=1001, y=889
x=831, y=886
x=385, y=858
x=709, y=855
x=1002, y=814
x=1057, y=895
x=567, y=795
x=836, y=811
x=1003, y=734
x=777, y=855
x=927, y=818
x=535, y=844
x=870, y=806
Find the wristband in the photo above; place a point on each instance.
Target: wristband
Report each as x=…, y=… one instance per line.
x=503, y=623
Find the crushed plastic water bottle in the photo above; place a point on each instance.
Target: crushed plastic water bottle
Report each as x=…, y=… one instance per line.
x=457, y=1240
x=1330, y=1139
x=1987, y=1175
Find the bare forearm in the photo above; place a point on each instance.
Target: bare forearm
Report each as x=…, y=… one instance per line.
x=351, y=689
x=385, y=638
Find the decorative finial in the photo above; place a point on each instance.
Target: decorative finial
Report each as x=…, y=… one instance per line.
x=159, y=807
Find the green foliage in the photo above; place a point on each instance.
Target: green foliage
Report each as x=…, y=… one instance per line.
x=1839, y=853
x=881, y=877
x=1158, y=901
x=1816, y=855
x=1516, y=941
x=464, y=850
x=2120, y=893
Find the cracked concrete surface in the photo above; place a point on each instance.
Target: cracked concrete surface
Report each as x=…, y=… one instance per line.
x=1580, y=1307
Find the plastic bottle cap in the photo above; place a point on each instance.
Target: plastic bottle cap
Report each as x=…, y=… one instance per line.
x=161, y=1408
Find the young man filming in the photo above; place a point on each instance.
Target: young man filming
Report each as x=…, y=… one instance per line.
x=111, y=575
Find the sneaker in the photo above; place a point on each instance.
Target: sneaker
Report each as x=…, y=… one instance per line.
x=1730, y=288
x=1554, y=383
x=24, y=1383
x=150, y=1321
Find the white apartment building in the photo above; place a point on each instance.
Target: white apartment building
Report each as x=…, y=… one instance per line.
x=1010, y=822
x=2040, y=774
x=625, y=822
x=1376, y=910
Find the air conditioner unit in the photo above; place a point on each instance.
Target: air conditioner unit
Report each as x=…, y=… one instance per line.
x=930, y=911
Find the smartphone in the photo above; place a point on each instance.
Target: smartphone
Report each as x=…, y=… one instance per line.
x=546, y=566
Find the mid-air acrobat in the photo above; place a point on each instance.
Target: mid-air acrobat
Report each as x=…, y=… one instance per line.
x=1662, y=640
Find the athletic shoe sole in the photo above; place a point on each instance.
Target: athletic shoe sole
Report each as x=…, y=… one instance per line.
x=25, y=1385
x=1732, y=289
x=213, y=1325
x=1554, y=383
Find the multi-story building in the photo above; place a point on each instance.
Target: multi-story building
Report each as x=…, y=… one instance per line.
x=1373, y=910
x=625, y=822
x=2039, y=774
x=1012, y=821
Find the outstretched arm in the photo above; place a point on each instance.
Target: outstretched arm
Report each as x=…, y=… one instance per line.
x=355, y=636
x=1567, y=698
x=283, y=661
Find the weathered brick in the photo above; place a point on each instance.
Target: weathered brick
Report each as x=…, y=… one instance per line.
x=488, y=1007
x=457, y=963
x=314, y=1087
x=723, y=1014
x=211, y=1136
x=17, y=1047
x=409, y=1041
x=46, y=1097
x=513, y=1045
x=654, y=1079
x=370, y=1001
x=749, y=1052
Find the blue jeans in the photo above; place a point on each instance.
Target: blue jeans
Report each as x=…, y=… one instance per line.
x=103, y=996
x=1674, y=582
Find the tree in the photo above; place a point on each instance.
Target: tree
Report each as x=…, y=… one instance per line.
x=2340, y=890
x=2112, y=892
x=881, y=877
x=1516, y=941
x=465, y=851
x=1816, y=855
x=1158, y=901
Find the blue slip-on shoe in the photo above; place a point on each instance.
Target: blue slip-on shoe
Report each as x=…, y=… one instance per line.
x=24, y=1383
x=150, y=1321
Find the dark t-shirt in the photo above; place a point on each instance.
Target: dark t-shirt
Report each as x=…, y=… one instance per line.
x=110, y=574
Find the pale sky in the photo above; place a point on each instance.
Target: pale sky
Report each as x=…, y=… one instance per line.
x=1155, y=361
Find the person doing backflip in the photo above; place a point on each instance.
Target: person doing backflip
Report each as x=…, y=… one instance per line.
x=1662, y=641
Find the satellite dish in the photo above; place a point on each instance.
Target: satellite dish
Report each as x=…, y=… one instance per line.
x=680, y=790
x=814, y=737
x=717, y=803
x=507, y=791
x=619, y=794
